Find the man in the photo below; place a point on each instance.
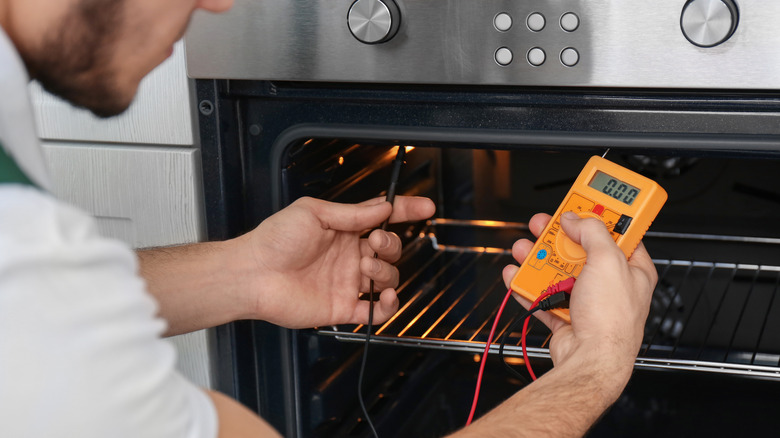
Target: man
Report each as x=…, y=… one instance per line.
x=81, y=316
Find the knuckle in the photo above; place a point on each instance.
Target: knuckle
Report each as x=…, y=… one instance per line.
x=304, y=200
x=375, y=239
x=394, y=277
x=653, y=274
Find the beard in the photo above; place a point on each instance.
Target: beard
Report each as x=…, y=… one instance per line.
x=75, y=60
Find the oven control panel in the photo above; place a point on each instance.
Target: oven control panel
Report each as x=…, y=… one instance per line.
x=727, y=44
x=626, y=202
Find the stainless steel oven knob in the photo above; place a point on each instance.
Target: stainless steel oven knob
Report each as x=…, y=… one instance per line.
x=707, y=23
x=373, y=21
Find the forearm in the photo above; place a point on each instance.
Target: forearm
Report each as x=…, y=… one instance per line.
x=564, y=402
x=197, y=286
x=236, y=421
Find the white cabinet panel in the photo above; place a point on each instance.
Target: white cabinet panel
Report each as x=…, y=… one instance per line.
x=162, y=112
x=193, y=354
x=145, y=196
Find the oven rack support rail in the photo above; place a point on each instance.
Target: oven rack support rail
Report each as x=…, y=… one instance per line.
x=543, y=353
x=706, y=316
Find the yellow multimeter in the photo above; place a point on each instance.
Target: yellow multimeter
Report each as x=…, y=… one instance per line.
x=625, y=201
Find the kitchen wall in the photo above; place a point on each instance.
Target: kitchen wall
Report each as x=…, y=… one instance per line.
x=138, y=173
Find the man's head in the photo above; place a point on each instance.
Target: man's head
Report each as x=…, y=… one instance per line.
x=94, y=53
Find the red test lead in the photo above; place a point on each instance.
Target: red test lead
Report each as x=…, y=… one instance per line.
x=556, y=296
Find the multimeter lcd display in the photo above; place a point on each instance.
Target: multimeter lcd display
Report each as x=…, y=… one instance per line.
x=615, y=188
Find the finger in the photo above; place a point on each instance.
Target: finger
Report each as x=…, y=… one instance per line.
x=521, y=249
x=384, y=308
x=508, y=274
x=373, y=201
x=538, y=222
x=408, y=208
x=591, y=234
x=550, y=320
x=368, y=214
x=347, y=217
x=386, y=245
x=641, y=259
x=384, y=274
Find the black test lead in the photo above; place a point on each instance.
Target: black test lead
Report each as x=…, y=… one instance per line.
x=390, y=197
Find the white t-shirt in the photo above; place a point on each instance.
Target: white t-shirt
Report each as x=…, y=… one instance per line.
x=81, y=353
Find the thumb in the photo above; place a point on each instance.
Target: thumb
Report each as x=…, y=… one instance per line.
x=590, y=233
x=350, y=217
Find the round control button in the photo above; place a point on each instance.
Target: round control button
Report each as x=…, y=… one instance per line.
x=536, y=56
x=502, y=22
x=503, y=56
x=570, y=57
x=570, y=22
x=536, y=22
x=541, y=254
x=373, y=21
x=707, y=23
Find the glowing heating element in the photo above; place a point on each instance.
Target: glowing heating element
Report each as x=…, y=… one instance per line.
x=625, y=201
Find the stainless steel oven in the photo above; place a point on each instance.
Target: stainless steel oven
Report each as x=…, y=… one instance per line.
x=503, y=103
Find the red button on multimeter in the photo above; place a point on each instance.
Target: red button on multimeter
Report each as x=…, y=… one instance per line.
x=626, y=202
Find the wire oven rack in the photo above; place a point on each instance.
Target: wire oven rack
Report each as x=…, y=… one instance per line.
x=710, y=316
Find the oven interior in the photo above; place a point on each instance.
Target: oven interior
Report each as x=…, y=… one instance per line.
x=714, y=324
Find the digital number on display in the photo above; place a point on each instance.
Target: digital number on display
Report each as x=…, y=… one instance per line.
x=615, y=188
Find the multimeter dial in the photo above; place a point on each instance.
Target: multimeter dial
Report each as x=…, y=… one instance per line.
x=573, y=252
x=568, y=250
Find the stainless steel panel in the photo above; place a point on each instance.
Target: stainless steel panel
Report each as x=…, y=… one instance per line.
x=626, y=43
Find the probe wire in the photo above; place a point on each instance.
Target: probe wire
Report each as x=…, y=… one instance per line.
x=484, y=356
x=542, y=302
x=390, y=197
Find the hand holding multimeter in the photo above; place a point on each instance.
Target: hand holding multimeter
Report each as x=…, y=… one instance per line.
x=626, y=202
